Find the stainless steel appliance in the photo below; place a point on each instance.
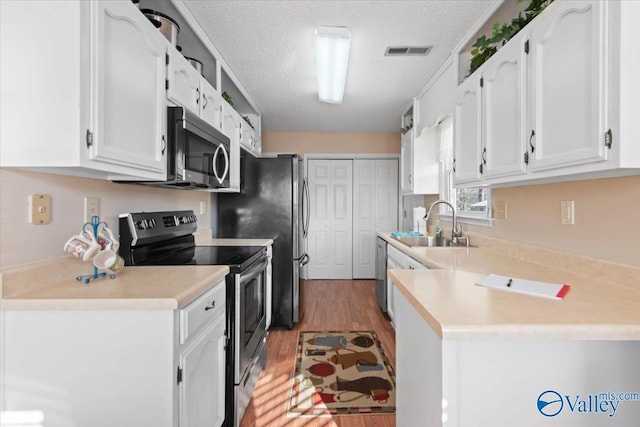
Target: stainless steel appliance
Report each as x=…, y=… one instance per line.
x=197, y=153
x=381, y=273
x=166, y=238
x=274, y=203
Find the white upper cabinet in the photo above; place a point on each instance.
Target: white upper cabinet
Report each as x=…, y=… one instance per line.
x=554, y=103
x=503, y=82
x=188, y=89
x=231, y=127
x=127, y=75
x=419, y=161
x=566, y=86
x=467, y=132
x=82, y=90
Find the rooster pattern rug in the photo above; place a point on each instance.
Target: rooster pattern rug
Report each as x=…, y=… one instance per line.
x=341, y=373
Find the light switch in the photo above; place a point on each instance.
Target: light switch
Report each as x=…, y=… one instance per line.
x=40, y=209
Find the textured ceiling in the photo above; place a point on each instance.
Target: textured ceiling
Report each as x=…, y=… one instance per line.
x=269, y=47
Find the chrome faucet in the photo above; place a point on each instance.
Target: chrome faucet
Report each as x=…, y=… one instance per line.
x=456, y=230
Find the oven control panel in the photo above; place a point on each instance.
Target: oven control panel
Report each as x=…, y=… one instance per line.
x=147, y=227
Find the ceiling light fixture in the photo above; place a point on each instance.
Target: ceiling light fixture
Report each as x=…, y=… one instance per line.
x=332, y=57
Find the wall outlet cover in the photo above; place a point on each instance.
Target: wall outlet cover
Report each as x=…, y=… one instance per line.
x=39, y=209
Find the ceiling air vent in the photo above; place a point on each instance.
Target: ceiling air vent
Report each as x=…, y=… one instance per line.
x=407, y=51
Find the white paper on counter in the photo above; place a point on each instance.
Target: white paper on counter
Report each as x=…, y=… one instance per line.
x=529, y=287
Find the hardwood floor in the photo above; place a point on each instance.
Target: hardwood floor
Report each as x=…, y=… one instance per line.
x=327, y=305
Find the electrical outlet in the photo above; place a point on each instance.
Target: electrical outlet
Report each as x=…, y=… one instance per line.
x=203, y=208
x=567, y=212
x=500, y=210
x=91, y=208
x=39, y=209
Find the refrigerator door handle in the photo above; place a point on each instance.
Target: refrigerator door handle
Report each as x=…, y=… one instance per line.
x=305, y=206
x=305, y=260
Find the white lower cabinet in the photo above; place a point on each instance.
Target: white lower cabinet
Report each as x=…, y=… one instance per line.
x=396, y=260
x=202, y=364
x=101, y=110
x=125, y=367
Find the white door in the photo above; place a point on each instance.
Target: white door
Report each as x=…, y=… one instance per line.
x=202, y=390
x=375, y=208
x=466, y=132
x=503, y=111
x=330, y=228
x=566, y=89
x=128, y=94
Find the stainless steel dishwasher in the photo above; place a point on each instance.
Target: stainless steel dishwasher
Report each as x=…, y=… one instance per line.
x=381, y=273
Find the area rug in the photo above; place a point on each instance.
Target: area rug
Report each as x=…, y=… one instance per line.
x=340, y=373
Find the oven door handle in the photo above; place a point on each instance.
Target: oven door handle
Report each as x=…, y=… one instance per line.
x=254, y=270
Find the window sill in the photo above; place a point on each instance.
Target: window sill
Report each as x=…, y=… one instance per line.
x=480, y=220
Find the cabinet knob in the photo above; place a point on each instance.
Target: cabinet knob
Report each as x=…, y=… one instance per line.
x=211, y=307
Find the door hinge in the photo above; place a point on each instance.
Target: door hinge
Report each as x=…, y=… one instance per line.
x=526, y=47
x=608, y=139
x=454, y=164
x=89, y=138
x=481, y=81
x=179, y=375
x=526, y=158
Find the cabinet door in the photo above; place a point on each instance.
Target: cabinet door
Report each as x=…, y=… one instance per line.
x=406, y=163
x=231, y=128
x=128, y=88
x=203, y=378
x=566, y=85
x=183, y=82
x=466, y=137
x=503, y=111
x=210, y=104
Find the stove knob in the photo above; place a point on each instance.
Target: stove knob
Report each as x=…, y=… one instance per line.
x=142, y=224
x=152, y=223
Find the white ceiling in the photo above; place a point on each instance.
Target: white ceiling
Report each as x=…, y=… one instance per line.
x=268, y=44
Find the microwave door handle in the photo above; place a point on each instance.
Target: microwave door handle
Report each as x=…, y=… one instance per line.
x=226, y=163
x=214, y=163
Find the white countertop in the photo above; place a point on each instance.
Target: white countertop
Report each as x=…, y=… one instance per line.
x=456, y=308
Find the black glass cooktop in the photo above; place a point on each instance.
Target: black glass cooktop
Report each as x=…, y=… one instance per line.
x=238, y=258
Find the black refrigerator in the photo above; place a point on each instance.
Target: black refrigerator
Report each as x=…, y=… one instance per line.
x=273, y=203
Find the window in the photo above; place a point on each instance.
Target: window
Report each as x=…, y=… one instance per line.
x=472, y=204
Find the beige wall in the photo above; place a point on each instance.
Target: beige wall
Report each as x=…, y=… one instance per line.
x=330, y=142
x=23, y=243
x=607, y=213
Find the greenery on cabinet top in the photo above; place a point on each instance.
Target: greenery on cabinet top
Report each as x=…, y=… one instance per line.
x=485, y=47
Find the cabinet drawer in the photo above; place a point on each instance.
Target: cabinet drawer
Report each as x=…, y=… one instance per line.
x=202, y=311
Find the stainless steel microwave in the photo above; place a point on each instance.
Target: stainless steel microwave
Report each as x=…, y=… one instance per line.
x=198, y=155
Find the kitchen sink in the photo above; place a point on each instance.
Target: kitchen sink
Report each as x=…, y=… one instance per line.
x=427, y=241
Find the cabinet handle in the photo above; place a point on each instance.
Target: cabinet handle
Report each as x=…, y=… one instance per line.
x=211, y=307
x=533, y=147
x=204, y=102
x=409, y=178
x=164, y=145
x=197, y=96
x=484, y=155
x=454, y=164
x=89, y=138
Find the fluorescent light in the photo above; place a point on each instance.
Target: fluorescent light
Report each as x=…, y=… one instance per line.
x=332, y=57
